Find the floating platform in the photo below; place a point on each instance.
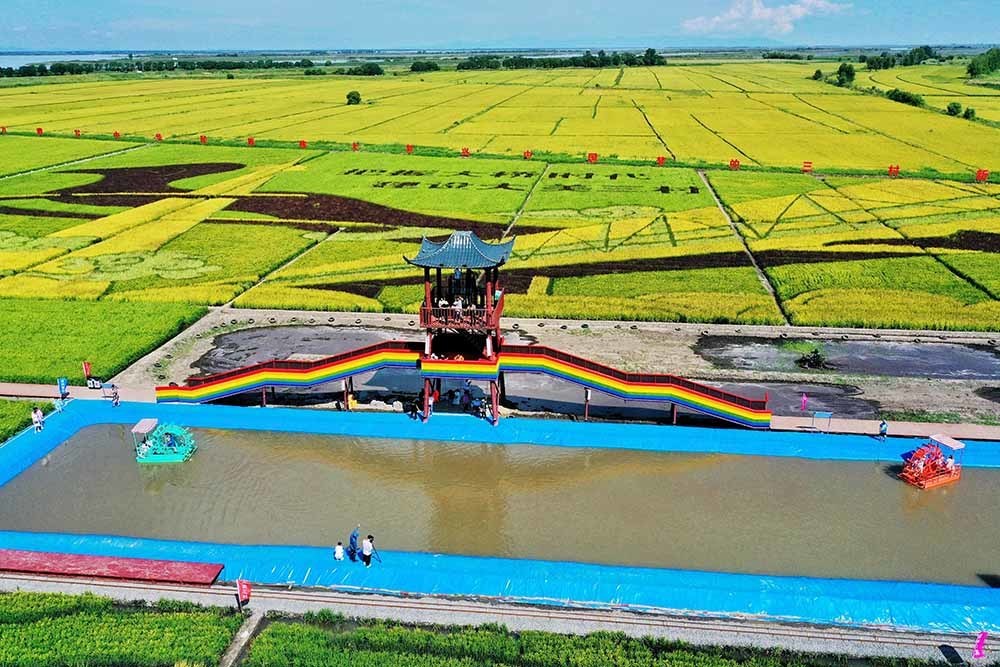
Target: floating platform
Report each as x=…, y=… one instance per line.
x=109, y=567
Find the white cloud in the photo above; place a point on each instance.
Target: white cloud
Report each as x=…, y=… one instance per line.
x=750, y=16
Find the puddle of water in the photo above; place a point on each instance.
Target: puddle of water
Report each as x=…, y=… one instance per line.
x=934, y=360
x=728, y=513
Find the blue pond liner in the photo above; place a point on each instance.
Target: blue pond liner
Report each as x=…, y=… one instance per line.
x=937, y=607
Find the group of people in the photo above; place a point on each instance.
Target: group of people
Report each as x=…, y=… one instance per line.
x=463, y=399
x=934, y=464
x=353, y=552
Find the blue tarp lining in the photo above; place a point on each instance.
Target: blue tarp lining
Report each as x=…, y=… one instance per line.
x=938, y=607
x=929, y=607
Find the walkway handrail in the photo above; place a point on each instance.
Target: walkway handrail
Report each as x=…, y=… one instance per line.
x=633, y=378
x=293, y=364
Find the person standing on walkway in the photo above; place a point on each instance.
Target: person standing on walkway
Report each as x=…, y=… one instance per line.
x=367, y=547
x=883, y=430
x=804, y=403
x=38, y=419
x=352, y=543
x=115, y=398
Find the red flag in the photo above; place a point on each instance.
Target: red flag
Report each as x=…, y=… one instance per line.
x=251, y=141
x=592, y=158
x=86, y=369
x=243, y=590
x=303, y=143
x=39, y=131
x=409, y=149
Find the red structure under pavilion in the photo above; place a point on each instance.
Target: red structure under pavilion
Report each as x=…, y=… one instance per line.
x=463, y=303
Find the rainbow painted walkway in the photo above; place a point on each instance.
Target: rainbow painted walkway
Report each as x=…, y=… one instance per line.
x=695, y=396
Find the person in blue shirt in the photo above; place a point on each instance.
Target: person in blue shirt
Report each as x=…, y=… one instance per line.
x=352, y=544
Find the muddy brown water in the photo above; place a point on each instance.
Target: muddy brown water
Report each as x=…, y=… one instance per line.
x=710, y=512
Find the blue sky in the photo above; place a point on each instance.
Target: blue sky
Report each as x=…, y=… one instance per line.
x=308, y=24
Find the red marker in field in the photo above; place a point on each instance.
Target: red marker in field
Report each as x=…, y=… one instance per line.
x=465, y=152
x=660, y=160
x=592, y=158
x=734, y=165
x=409, y=149
x=251, y=141
x=528, y=155
x=355, y=146
x=3, y=129
x=76, y=133
x=303, y=143
x=807, y=167
x=203, y=139
x=893, y=171
x=39, y=131
x=158, y=136
x=982, y=175
x=116, y=134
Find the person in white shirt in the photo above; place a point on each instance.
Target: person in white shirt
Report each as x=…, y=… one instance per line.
x=38, y=419
x=949, y=464
x=367, y=548
x=338, y=551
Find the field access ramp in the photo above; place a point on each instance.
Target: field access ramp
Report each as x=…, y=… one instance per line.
x=695, y=396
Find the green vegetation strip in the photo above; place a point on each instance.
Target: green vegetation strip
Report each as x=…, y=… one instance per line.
x=329, y=640
x=50, y=629
x=16, y=415
x=53, y=338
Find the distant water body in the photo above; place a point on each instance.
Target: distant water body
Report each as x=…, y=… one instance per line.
x=19, y=60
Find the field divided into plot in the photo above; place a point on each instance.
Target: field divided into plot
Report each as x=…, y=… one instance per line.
x=111, y=237
x=767, y=113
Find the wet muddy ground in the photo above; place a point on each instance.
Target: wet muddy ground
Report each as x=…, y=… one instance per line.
x=528, y=392
x=889, y=358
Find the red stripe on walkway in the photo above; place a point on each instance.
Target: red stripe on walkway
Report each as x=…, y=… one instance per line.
x=109, y=567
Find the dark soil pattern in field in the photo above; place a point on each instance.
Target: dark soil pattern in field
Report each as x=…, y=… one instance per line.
x=325, y=227
x=516, y=281
x=38, y=213
x=145, y=179
x=293, y=206
x=967, y=239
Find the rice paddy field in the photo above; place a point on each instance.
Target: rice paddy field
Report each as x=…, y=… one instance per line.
x=159, y=230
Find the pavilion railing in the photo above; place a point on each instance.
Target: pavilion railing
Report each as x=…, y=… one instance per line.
x=646, y=378
x=454, y=318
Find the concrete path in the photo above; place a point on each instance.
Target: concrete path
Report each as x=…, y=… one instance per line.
x=861, y=642
x=870, y=427
x=47, y=391
x=852, y=426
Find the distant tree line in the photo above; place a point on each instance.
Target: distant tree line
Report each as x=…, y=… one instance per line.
x=784, y=55
x=985, y=63
x=588, y=59
x=424, y=66
x=58, y=69
x=888, y=60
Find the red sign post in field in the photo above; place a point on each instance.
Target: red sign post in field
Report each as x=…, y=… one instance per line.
x=893, y=171
x=592, y=158
x=734, y=165
x=807, y=167
x=982, y=175
x=528, y=155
